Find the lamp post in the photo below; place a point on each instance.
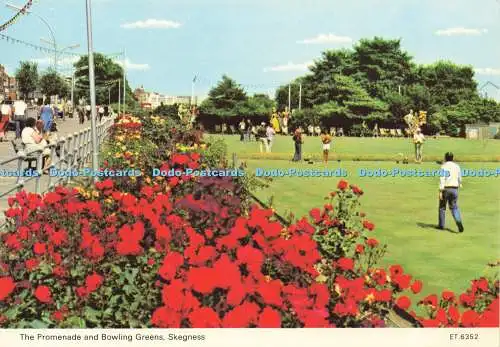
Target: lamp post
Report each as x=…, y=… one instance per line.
x=58, y=52
x=95, y=153
x=17, y=8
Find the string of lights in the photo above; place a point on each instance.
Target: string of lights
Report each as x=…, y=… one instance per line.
x=16, y=17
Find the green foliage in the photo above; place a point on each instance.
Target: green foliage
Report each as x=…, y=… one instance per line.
x=377, y=81
x=216, y=152
x=170, y=111
x=27, y=77
x=228, y=99
x=51, y=84
x=107, y=74
x=452, y=120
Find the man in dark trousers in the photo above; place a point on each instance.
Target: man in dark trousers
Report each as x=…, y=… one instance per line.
x=448, y=191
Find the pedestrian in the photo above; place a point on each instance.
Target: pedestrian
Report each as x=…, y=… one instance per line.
x=418, y=140
x=242, y=127
x=298, y=140
x=310, y=130
x=6, y=115
x=88, y=112
x=248, y=132
x=101, y=113
x=19, y=116
x=270, y=133
x=449, y=185
x=326, y=141
x=317, y=130
x=47, y=115
x=81, y=114
x=262, y=138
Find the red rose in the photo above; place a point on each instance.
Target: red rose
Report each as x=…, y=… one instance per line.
x=480, y=285
x=39, y=248
x=204, y=317
x=163, y=317
x=467, y=300
x=93, y=282
x=269, y=318
x=469, y=319
x=372, y=243
x=368, y=225
x=7, y=286
x=57, y=316
x=416, y=287
x=431, y=300
x=315, y=214
x=383, y=295
x=402, y=281
x=403, y=302
x=81, y=292
x=360, y=249
x=454, y=314
x=395, y=270
x=441, y=317
x=448, y=295
x=43, y=294
x=32, y=264
x=346, y=264
x=342, y=185
x=151, y=262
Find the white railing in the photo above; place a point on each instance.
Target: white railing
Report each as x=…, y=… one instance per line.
x=74, y=152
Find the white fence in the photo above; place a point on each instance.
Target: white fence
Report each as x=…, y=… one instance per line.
x=74, y=152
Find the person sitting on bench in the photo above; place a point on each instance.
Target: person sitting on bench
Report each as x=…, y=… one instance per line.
x=34, y=140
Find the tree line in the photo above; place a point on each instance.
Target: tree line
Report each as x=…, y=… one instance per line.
x=50, y=83
x=375, y=82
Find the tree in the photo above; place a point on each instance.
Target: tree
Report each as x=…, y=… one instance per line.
x=51, y=84
x=27, y=78
x=447, y=83
x=108, y=73
x=453, y=119
x=378, y=81
x=381, y=65
x=226, y=99
x=170, y=111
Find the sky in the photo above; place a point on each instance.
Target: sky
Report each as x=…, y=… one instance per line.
x=259, y=43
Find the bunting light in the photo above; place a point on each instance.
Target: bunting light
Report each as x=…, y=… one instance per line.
x=16, y=17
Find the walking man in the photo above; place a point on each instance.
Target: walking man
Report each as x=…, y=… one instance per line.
x=448, y=191
x=262, y=138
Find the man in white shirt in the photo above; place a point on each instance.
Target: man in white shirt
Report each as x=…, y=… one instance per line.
x=100, y=111
x=448, y=191
x=270, y=132
x=19, y=116
x=418, y=140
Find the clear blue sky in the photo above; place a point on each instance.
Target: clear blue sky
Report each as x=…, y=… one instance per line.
x=260, y=43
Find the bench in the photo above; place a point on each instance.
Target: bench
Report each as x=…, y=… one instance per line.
x=19, y=146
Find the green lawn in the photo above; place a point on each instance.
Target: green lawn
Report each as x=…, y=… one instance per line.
x=348, y=148
x=404, y=211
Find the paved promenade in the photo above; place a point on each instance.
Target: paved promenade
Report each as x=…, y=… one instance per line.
x=65, y=128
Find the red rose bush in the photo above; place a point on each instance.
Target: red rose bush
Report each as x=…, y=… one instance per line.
x=194, y=252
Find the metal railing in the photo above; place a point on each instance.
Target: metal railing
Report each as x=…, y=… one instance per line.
x=74, y=152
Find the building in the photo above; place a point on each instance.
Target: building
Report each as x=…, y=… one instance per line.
x=481, y=131
x=152, y=100
x=8, y=85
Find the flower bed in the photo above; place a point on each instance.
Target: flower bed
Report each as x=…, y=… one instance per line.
x=194, y=252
